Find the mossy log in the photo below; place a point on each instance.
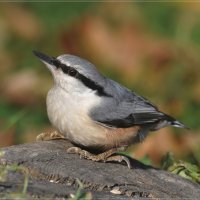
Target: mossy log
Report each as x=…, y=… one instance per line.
x=54, y=173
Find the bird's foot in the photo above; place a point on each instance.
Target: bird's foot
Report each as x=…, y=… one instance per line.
x=119, y=158
x=49, y=136
x=107, y=156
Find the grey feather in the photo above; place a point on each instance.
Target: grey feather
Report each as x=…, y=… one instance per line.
x=123, y=107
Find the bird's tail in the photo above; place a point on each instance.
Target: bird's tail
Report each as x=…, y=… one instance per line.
x=178, y=124
x=174, y=122
x=168, y=121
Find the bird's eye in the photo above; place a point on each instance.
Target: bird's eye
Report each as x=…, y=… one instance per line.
x=72, y=72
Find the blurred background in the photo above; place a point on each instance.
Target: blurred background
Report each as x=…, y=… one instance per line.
x=152, y=48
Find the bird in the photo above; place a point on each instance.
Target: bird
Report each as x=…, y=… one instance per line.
x=96, y=113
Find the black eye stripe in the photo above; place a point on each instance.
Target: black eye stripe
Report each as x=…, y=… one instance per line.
x=64, y=68
x=93, y=85
x=68, y=70
x=55, y=62
x=85, y=80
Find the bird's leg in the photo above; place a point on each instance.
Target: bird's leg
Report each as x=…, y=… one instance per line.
x=119, y=158
x=86, y=154
x=51, y=135
x=107, y=156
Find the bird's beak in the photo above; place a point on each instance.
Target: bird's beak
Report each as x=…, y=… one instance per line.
x=44, y=58
x=47, y=60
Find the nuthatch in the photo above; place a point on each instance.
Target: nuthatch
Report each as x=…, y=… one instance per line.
x=95, y=112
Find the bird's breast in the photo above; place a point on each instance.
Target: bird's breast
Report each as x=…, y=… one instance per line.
x=69, y=114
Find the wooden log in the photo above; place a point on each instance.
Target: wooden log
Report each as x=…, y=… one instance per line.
x=54, y=173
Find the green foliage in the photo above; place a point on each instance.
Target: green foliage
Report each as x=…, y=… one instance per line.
x=160, y=17
x=146, y=160
x=55, y=14
x=21, y=118
x=80, y=194
x=4, y=170
x=192, y=109
x=181, y=168
x=195, y=33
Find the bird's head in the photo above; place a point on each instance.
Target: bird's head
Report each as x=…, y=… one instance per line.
x=73, y=74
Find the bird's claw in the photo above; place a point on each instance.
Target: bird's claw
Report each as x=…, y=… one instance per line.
x=49, y=136
x=102, y=157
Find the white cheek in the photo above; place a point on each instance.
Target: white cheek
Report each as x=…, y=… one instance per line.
x=70, y=84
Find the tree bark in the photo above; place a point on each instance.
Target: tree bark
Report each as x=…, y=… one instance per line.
x=54, y=173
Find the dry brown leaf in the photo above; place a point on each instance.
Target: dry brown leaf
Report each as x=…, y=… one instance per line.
x=7, y=138
x=124, y=48
x=158, y=144
x=21, y=21
x=6, y=63
x=21, y=88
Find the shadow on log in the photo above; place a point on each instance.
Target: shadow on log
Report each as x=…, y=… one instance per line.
x=53, y=173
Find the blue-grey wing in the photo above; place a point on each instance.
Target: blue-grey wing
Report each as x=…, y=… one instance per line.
x=125, y=113
x=122, y=108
